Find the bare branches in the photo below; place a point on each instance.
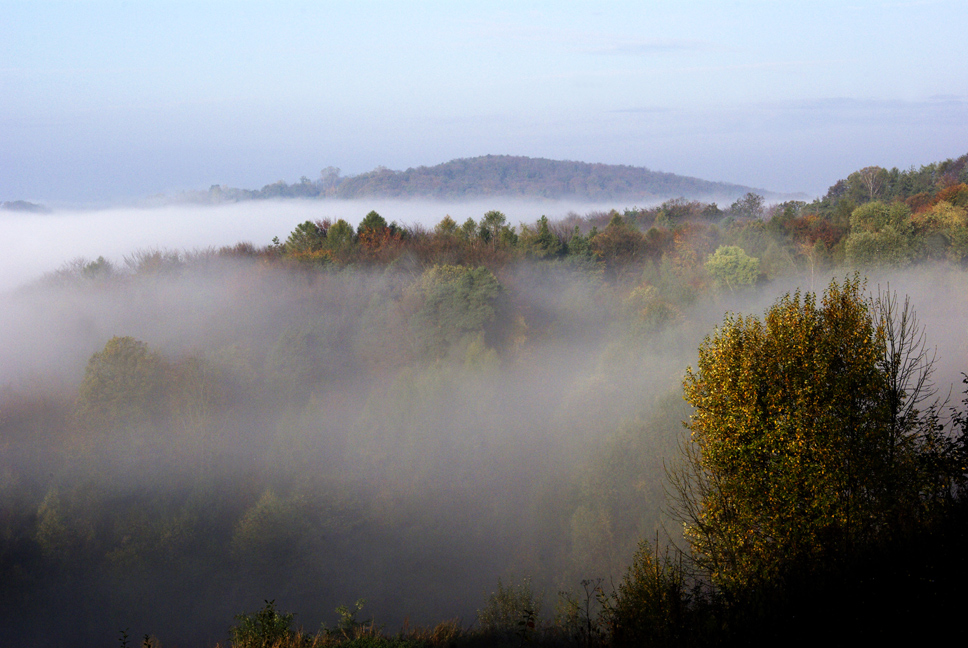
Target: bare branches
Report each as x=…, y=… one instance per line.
x=907, y=363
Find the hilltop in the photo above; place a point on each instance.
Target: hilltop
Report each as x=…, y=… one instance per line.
x=495, y=175
x=507, y=175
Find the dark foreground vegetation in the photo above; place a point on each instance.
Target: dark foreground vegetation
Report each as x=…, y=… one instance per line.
x=484, y=423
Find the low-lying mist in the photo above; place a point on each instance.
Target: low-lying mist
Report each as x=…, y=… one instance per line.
x=248, y=433
x=46, y=241
x=202, y=432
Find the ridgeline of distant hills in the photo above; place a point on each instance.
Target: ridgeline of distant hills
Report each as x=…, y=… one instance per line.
x=492, y=175
x=23, y=206
x=471, y=178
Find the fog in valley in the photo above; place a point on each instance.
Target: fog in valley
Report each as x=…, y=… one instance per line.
x=424, y=324
x=46, y=242
x=190, y=432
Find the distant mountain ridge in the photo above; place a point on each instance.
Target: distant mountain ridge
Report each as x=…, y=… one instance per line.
x=24, y=206
x=498, y=175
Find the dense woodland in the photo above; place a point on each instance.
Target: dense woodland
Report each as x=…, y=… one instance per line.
x=479, y=429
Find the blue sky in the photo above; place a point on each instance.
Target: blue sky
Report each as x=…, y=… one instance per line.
x=109, y=100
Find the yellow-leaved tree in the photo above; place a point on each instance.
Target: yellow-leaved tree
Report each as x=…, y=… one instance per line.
x=811, y=436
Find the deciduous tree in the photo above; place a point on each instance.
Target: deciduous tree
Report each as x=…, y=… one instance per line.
x=870, y=183
x=807, y=437
x=880, y=235
x=124, y=385
x=732, y=267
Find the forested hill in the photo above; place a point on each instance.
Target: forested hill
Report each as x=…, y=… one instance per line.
x=508, y=175
x=498, y=175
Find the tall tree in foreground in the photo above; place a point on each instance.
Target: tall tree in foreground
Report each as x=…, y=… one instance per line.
x=807, y=440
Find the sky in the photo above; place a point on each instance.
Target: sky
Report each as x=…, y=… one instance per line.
x=111, y=101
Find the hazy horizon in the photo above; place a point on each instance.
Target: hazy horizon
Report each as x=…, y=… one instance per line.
x=107, y=102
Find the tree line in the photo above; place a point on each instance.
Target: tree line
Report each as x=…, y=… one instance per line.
x=875, y=217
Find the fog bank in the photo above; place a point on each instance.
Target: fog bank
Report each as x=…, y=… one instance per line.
x=44, y=242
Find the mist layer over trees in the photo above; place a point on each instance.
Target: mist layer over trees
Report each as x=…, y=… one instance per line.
x=399, y=414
